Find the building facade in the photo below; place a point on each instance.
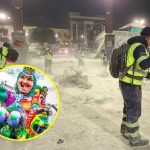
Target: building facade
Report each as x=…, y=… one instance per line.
x=81, y=31
x=84, y=29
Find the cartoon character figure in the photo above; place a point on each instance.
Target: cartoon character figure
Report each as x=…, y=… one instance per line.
x=39, y=97
x=25, y=87
x=23, y=113
x=37, y=122
x=36, y=103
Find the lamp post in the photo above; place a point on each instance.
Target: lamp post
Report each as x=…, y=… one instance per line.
x=108, y=15
x=18, y=36
x=17, y=13
x=109, y=37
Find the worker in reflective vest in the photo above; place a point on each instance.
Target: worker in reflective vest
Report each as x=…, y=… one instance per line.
x=3, y=54
x=130, y=85
x=48, y=61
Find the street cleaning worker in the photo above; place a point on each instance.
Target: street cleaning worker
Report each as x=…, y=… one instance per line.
x=48, y=61
x=3, y=54
x=139, y=60
x=104, y=57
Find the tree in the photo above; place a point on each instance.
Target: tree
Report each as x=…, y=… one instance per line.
x=42, y=36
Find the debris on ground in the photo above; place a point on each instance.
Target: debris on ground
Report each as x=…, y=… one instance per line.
x=74, y=76
x=60, y=141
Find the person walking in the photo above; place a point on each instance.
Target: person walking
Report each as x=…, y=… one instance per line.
x=104, y=57
x=48, y=61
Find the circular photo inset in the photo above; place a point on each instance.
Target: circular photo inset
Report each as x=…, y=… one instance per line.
x=29, y=102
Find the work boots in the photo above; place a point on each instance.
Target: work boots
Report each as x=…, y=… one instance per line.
x=138, y=141
x=124, y=131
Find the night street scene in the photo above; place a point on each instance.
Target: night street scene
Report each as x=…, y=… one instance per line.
x=97, y=53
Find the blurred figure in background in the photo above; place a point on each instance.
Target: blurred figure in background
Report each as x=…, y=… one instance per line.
x=3, y=53
x=104, y=57
x=48, y=60
x=81, y=56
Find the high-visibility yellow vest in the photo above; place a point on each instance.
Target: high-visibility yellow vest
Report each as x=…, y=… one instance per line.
x=2, y=56
x=48, y=56
x=103, y=56
x=135, y=74
x=81, y=55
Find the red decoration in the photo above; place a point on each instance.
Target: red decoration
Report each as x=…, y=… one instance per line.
x=18, y=43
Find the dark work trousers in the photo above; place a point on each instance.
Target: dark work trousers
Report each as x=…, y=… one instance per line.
x=132, y=96
x=48, y=63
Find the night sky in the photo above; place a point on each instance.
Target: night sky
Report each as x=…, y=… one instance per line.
x=53, y=12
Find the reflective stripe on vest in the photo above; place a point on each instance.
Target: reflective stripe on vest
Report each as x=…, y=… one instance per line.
x=138, y=70
x=135, y=70
x=140, y=59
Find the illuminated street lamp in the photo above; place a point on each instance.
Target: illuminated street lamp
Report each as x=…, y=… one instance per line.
x=56, y=35
x=136, y=21
x=142, y=21
x=82, y=36
x=3, y=16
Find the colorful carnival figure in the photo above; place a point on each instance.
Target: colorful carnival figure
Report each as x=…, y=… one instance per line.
x=12, y=127
x=23, y=112
x=14, y=115
x=39, y=98
x=24, y=90
x=44, y=93
x=37, y=122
